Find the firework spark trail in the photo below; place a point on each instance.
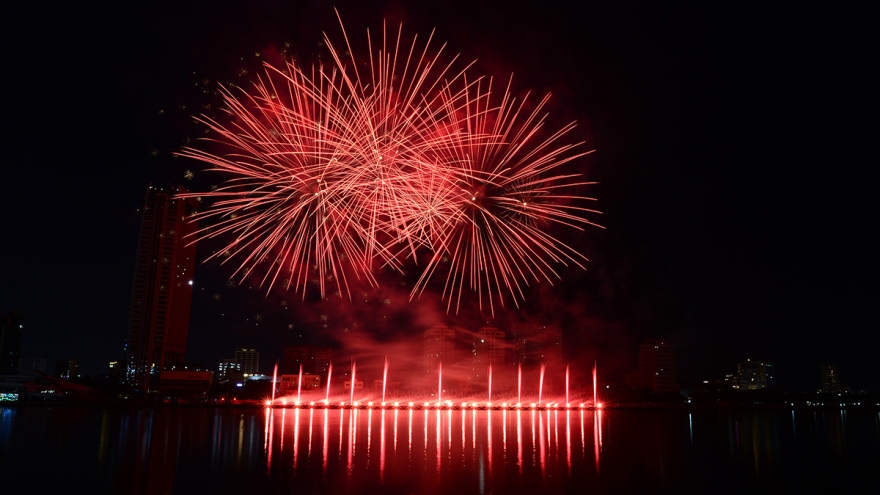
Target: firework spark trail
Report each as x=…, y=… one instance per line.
x=334, y=168
x=505, y=195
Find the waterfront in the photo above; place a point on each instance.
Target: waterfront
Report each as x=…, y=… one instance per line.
x=283, y=450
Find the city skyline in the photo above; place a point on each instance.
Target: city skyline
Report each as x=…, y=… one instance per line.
x=470, y=358
x=713, y=149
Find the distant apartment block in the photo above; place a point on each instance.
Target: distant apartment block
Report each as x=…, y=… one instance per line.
x=490, y=346
x=228, y=369
x=290, y=384
x=656, y=371
x=248, y=361
x=830, y=379
x=537, y=344
x=67, y=369
x=438, y=346
x=755, y=375
x=314, y=359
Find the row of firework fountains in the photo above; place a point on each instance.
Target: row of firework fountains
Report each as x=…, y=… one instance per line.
x=396, y=160
x=438, y=402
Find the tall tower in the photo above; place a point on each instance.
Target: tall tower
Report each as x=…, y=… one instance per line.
x=537, y=344
x=830, y=379
x=67, y=369
x=249, y=359
x=314, y=359
x=656, y=367
x=162, y=293
x=438, y=346
x=489, y=348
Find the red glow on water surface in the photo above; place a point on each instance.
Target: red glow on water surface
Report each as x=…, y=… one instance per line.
x=534, y=439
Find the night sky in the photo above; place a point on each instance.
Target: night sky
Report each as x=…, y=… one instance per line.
x=731, y=151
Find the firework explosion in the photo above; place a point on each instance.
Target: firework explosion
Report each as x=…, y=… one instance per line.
x=341, y=167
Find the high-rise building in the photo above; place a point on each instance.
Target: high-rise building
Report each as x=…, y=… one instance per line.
x=228, y=368
x=489, y=349
x=323, y=356
x=830, y=379
x=490, y=345
x=115, y=371
x=438, y=346
x=67, y=369
x=11, y=328
x=314, y=359
x=249, y=359
x=162, y=291
x=656, y=370
x=537, y=344
x=755, y=375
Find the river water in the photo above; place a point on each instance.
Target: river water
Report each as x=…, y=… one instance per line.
x=260, y=450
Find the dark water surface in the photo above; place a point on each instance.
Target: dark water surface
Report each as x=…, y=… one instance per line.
x=216, y=450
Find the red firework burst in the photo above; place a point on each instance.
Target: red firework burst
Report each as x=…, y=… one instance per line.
x=334, y=169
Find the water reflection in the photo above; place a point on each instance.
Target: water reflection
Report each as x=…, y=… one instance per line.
x=202, y=450
x=485, y=436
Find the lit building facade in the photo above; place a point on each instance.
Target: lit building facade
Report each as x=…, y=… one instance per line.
x=67, y=369
x=162, y=291
x=755, y=375
x=227, y=369
x=249, y=361
x=830, y=379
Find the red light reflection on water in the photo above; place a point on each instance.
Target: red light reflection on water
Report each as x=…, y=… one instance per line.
x=326, y=450
x=281, y=437
x=597, y=436
x=382, y=448
x=395, y=432
x=369, y=433
x=311, y=422
x=340, y=433
x=295, y=436
x=352, y=430
x=504, y=433
x=436, y=441
x=519, y=449
x=489, y=438
x=568, y=441
x=463, y=432
x=544, y=449
x=268, y=433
